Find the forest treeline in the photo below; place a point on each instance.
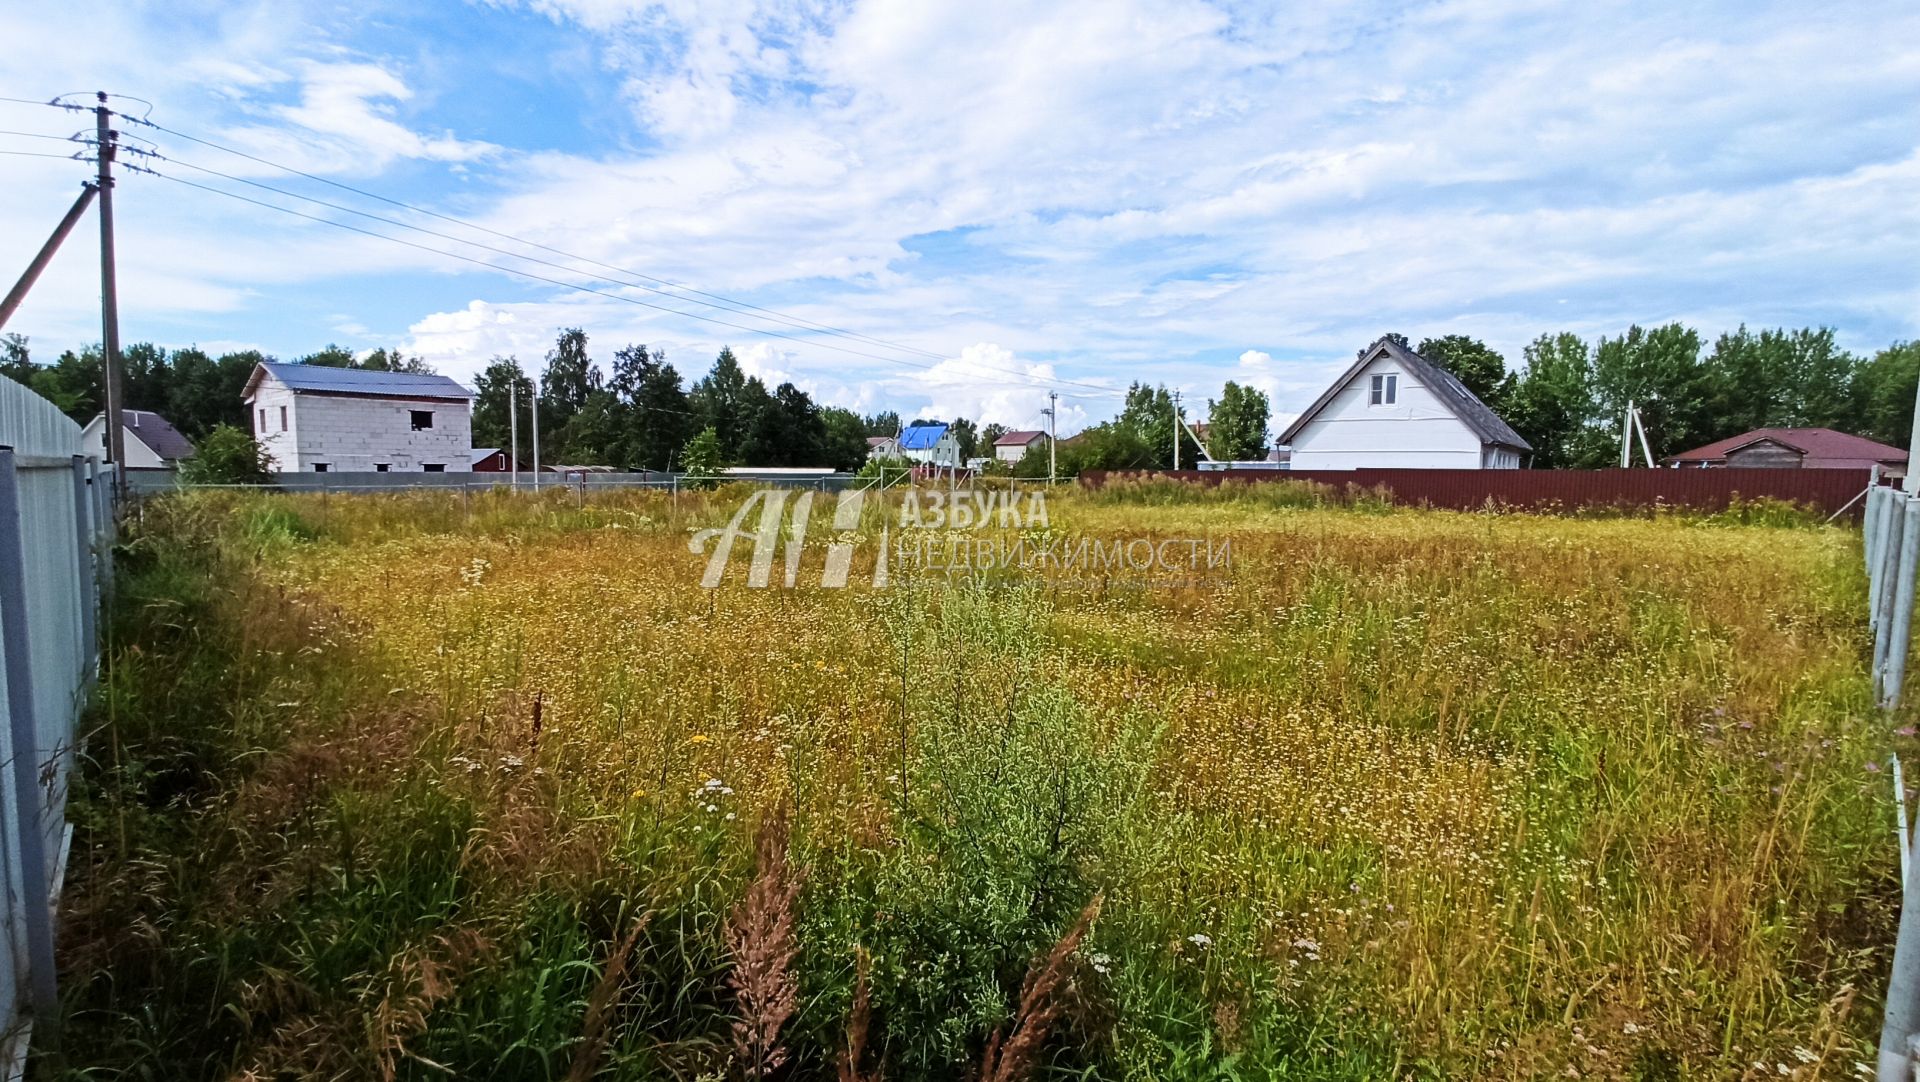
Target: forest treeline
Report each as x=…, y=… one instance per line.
x=1566, y=396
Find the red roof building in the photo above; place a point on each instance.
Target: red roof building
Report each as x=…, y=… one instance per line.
x=1795, y=448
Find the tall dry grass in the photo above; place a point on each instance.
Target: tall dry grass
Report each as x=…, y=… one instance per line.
x=1484, y=796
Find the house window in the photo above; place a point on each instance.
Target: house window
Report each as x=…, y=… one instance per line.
x=1385, y=390
x=434, y=467
x=320, y=467
x=422, y=419
x=263, y=421
x=381, y=467
x=283, y=418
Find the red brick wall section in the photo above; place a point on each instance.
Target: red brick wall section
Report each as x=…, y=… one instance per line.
x=1560, y=490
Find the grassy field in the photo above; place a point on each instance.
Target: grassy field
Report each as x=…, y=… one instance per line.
x=406, y=787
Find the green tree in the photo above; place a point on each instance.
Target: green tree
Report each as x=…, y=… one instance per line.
x=1551, y=403
x=391, y=360
x=1237, y=424
x=722, y=401
x=884, y=423
x=1883, y=390
x=1472, y=362
x=16, y=361
x=990, y=435
x=787, y=432
x=499, y=388
x=966, y=435
x=227, y=456
x=846, y=438
x=73, y=382
x=1147, y=416
x=569, y=378
x=656, y=414
x=1659, y=372
x=330, y=356
x=702, y=459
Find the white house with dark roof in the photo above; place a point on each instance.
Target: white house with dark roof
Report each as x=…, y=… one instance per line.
x=1013, y=446
x=313, y=418
x=1394, y=409
x=151, y=442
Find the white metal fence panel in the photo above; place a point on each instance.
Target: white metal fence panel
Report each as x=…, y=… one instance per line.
x=53, y=523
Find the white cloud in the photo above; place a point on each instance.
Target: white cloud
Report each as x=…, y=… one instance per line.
x=1094, y=190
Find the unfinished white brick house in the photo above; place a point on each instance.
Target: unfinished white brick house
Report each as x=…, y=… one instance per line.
x=312, y=418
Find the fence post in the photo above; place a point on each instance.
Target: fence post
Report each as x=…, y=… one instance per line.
x=83, y=553
x=1892, y=519
x=1900, y=634
x=31, y=851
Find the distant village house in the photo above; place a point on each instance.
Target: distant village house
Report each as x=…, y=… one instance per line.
x=1394, y=409
x=312, y=418
x=151, y=442
x=1013, y=446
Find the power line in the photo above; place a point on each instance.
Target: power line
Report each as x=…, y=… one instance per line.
x=529, y=243
x=739, y=306
x=77, y=156
x=448, y=237
x=506, y=270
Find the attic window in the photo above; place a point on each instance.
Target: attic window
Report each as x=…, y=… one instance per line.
x=422, y=419
x=1385, y=390
x=434, y=467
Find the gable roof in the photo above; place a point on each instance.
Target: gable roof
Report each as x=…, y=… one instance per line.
x=1444, y=385
x=1020, y=438
x=1820, y=448
x=921, y=437
x=156, y=432
x=324, y=379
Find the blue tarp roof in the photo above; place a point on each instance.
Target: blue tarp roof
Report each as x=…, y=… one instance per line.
x=327, y=380
x=921, y=437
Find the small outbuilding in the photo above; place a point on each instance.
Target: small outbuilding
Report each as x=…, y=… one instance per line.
x=1795, y=449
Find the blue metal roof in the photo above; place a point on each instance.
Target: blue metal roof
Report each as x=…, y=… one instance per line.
x=322, y=379
x=921, y=437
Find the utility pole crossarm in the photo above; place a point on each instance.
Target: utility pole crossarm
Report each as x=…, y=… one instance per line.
x=19, y=291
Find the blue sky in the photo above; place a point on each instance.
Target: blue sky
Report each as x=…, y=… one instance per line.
x=1017, y=195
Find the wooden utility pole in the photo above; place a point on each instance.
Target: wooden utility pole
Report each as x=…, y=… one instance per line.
x=104, y=137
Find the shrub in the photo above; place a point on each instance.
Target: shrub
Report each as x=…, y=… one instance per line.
x=228, y=456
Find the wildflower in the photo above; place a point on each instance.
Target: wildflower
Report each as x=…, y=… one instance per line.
x=511, y=763
x=639, y=794
x=712, y=808
x=697, y=738
x=714, y=783
x=1102, y=962
x=1200, y=939
x=1904, y=730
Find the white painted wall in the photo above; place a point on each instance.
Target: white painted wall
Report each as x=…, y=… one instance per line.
x=1014, y=452
x=357, y=433
x=139, y=455
x=1416, y=432
x=944, y=452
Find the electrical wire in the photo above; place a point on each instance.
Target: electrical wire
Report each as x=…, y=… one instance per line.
x=739, y=306
x=506, y=270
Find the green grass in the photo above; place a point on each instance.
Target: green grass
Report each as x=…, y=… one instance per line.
x=1408, y=794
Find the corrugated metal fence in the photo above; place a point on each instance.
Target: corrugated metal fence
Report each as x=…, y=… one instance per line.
x=55, y=525
x=1564, y=490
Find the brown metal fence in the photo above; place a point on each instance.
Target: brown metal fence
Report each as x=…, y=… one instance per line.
x=1560, y=490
